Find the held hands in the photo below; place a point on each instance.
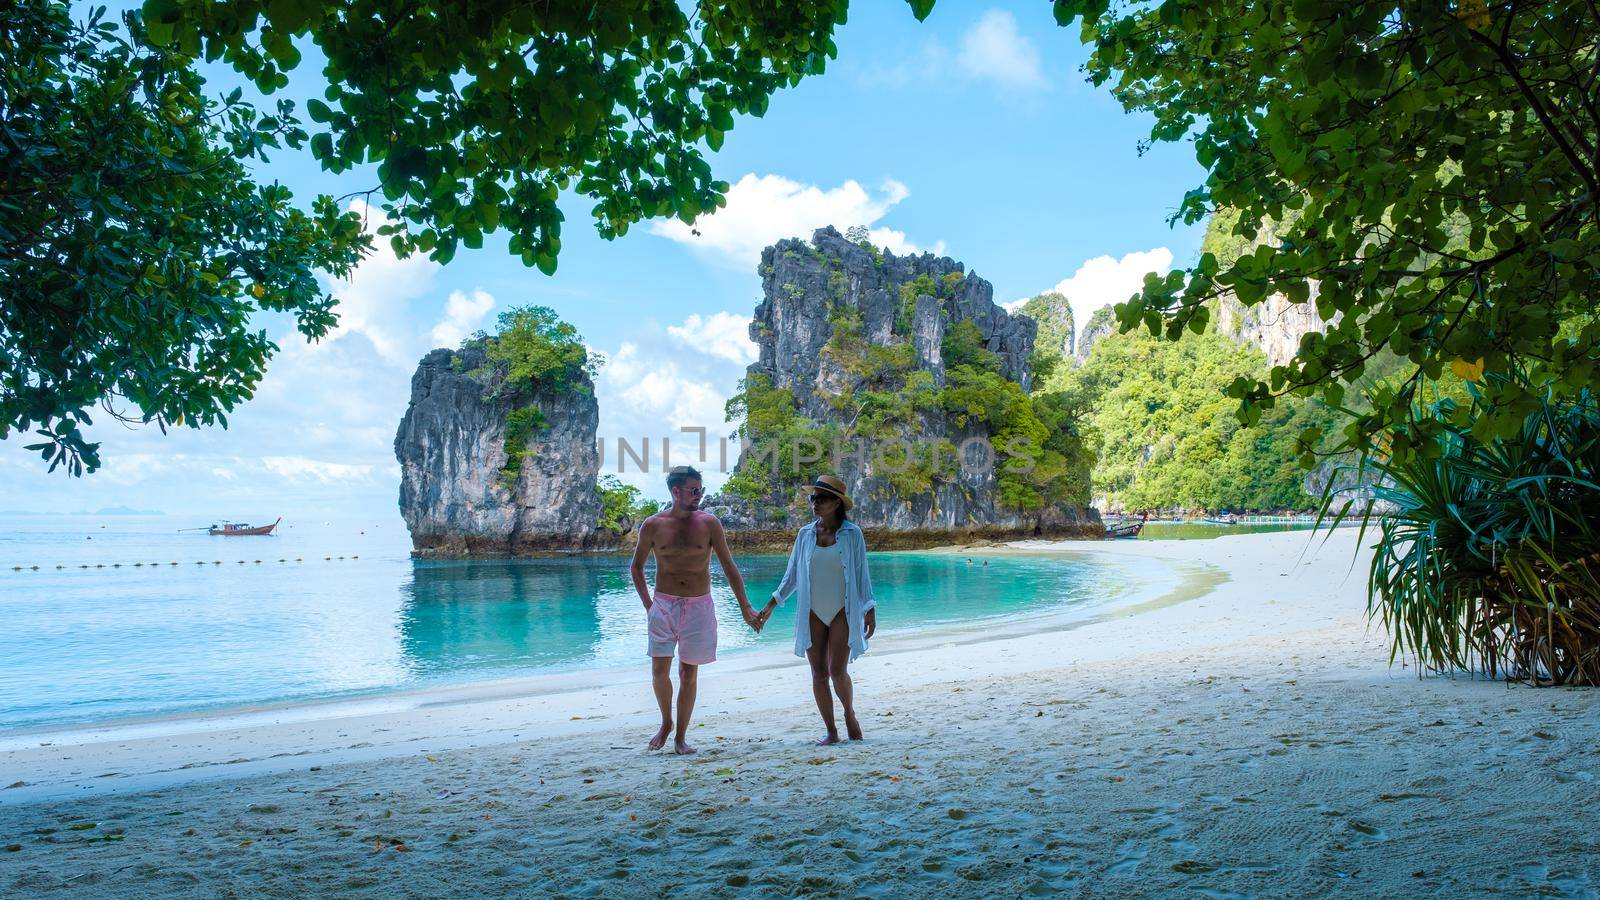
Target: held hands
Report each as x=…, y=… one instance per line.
x=758, y=620
x=752, y=618
x=871, y=622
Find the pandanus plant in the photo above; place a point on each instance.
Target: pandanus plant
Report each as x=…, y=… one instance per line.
x=1488, y=557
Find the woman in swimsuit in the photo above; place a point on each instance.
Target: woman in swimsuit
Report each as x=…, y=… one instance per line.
x=828, y=573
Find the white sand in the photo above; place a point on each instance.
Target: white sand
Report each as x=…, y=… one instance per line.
x=1252, y=740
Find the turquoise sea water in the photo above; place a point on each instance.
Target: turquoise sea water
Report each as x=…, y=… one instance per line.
x=119, y=631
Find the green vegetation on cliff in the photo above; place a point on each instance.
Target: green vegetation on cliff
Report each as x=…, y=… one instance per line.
x=532, y=351
x=1039, y=461
x=1048, y=464
x=620, y=506
x=1164, y=433
x=768, y=416
x=538, y=351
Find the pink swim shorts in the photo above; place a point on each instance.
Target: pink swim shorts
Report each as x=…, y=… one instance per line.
x=687, y=623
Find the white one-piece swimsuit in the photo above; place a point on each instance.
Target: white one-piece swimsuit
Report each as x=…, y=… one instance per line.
x=827, y=582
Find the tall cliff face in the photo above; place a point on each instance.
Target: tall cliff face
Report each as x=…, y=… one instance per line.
x=1053, y=314
x=858, y=337
x=1276, y=324
x=803, y=283
x=459, y=496
x=1102, y=322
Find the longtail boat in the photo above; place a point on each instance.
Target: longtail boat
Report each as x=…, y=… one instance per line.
x=235, y=528
x=1129, y=530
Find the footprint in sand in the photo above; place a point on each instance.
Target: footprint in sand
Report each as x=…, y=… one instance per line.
x=1539, y=877
x=1367, y=833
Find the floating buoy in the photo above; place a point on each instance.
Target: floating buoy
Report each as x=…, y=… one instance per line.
x=298, y=559
x=99, y=565
x=138, y=565
x=258, y=562
x=83, y=565
x=59, y=566
x=216, y=562
x=327, y=557
x=113, y=565
x=16, y=568
x=355, y=557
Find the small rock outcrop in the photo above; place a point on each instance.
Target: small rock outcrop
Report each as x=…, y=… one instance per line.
x=858, y=336
x=464, y=492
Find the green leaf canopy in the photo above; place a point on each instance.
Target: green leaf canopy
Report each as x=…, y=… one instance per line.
x=1432, y=167
x=136, y=245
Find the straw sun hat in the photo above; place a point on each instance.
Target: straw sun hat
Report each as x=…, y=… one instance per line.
x=829, y=484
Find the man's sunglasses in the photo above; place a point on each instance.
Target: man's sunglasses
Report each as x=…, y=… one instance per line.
x=819, y=497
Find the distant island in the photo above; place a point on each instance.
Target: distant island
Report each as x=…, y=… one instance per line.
x=103, y=511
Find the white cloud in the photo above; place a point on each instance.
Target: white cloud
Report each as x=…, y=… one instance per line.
x=661, y=379
x=765, y=209
x=723, y=334
x=374, y=298
x=463, y=313
x=299, y=468
x=931, y=63
x=1103, y=281
x=895, y=242
x=338, y=399
x=995, y=50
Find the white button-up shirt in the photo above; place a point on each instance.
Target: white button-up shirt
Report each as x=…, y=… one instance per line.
x=858, y=597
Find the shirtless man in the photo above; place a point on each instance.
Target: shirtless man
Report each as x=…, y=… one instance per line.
x=680, y=613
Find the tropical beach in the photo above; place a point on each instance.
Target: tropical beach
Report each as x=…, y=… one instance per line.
x=856, y=449
x=1236, y=735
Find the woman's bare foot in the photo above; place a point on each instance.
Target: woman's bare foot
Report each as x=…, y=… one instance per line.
x=660, y=740
x=828, y=739
x=852, y=727
x=682, y=749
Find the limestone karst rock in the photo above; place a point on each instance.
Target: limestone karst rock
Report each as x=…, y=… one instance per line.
x=905, y=306
x=454, y=496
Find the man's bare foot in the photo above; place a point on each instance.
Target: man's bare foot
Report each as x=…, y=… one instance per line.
x=828, y=739
x=852, y=728
x=660, y=740
x=682, y=749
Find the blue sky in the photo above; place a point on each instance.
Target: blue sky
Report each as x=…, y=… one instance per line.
x=972, y=134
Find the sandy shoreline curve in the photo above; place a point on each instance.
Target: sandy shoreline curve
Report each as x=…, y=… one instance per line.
x=1250, y=739
x=140, y=753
